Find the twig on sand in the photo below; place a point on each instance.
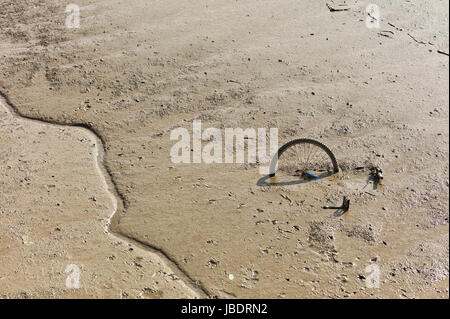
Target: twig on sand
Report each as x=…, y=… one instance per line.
x=371, y=16
x=430, y=43
x=286, y=198
x=421, y=42
x=395, y=27
x=386, y=33
x=336, y=8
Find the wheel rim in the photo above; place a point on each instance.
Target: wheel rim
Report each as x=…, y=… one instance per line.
x=304, y=160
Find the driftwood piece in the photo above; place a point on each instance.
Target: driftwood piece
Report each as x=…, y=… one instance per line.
x=338, y=7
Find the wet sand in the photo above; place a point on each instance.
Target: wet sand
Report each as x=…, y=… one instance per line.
x=56, y=211
x=132, y=73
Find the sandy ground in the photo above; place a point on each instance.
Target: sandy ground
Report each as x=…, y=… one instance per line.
x=44, y=230
x=135, y=70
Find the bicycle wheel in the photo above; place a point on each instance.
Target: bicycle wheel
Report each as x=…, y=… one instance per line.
x=303, y=159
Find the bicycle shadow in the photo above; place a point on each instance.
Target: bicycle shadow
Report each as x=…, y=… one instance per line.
x=376, y=183
x=274, y=181
x=339, y=212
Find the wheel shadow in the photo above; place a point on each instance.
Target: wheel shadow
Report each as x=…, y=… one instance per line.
x=273, y=180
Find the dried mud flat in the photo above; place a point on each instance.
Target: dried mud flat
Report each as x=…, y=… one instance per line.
x=132, y=72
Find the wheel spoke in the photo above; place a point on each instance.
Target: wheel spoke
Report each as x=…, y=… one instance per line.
x=303, y=157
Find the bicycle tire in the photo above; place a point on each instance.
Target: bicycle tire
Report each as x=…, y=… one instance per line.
x=295, y=142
